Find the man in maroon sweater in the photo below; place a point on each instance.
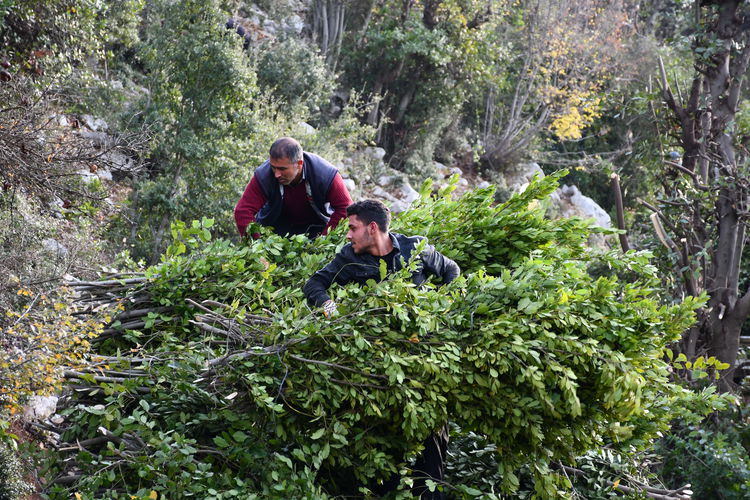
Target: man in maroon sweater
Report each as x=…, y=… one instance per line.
x=294, y=192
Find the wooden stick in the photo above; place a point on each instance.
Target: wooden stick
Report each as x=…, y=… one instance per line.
x=624, y=244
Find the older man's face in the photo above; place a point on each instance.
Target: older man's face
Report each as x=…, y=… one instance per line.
x=286, y=171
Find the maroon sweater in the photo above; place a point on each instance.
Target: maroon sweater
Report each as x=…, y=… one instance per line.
x=296, y=206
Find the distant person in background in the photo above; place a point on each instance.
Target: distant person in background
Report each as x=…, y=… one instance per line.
x=294, y=192
x=231, y=23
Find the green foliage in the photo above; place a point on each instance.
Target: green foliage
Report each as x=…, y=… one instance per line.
x=200, y=108
x=534, y=347
x=515, y=228
x=713, y=462
x=297, y=75
x=211, y=124
x=474, y=461
x=425, y=59
x=12, y=483
x=56, y=37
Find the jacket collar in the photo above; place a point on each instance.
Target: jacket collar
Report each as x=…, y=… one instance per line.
x=395, y=242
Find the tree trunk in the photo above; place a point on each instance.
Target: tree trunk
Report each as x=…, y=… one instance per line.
x=713, y=239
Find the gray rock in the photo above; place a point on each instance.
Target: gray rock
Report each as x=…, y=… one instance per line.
x=40, y=407
x=56, y=207
x=350, y=184
x=87, y=176
x=99, y=140
x=399, y=206
x=294, y=24
x=441, y=169
x=119, y=162
x=104, y=174
x=518, y=177
x=95, y=124
x=572, y=203
x=387, y=180
x=408, y=194
x=270, y=26
x=55, y=248
x=483, y=184
x=401, y=194
x=61, y=120
x=382, y=193
x=304, y=128
x=375, y=153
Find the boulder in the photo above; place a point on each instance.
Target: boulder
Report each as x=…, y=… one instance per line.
x=95, y=124
x=568, y=201
x=87, y=176
x=100, y=140
x=294, y=24
x=118, y=162
x=375, y=153
x=572, y=203
x=408, y=194
x=55, y=248
x=518, y=177
x=400, y=193
x=304, y=129
x=40, y=408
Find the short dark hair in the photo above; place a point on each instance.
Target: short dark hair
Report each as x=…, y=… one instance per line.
x=286, y=147
x=371, y=211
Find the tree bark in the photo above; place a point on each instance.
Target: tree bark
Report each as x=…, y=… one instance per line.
x=714, y=238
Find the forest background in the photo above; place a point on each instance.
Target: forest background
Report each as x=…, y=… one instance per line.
x=641, y=103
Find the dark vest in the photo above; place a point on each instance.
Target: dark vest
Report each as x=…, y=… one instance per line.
x=319, y=175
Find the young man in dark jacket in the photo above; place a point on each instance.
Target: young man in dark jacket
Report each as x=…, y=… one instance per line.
x=294, y=192
x=369, y=244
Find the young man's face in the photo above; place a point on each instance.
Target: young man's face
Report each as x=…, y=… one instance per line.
x=285, y=170
x=360, y=235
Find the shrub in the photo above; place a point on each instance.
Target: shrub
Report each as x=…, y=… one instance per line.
x=203, y=108
x=297, y=76
x=713, y=462
x=12, y=483
x=545, y=359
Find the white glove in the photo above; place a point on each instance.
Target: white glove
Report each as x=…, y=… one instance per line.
x=329, y=309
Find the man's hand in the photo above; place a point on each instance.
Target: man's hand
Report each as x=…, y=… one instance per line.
x=329, y=309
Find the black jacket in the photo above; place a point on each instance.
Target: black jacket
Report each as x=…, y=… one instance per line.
x=349, y=267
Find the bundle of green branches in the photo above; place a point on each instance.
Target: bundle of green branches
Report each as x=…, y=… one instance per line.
x=230, y=386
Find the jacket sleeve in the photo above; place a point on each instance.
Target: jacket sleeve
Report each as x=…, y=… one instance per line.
x=439, y=265
x=316, y=288
x=250, y=203
x=339, y=198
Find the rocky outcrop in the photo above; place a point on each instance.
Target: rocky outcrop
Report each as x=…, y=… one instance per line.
x=571, y=203
x=40, y=408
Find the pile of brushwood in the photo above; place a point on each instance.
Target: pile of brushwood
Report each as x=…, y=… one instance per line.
x=217, y=380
